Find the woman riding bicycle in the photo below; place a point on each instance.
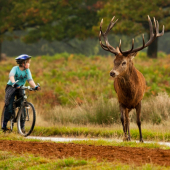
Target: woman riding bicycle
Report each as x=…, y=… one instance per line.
x=20, y=73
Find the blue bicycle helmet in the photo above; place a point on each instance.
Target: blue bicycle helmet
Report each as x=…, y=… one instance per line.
x=22, y=58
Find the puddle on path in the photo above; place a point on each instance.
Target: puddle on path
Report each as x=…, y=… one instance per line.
x=62, y=139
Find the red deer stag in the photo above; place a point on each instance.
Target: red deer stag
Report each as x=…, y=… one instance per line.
x=129, y=83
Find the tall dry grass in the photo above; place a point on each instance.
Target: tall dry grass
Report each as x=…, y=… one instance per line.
x=155, y=110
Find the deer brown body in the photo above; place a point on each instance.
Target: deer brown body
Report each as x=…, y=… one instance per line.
x=130, y=87
x=129, y=83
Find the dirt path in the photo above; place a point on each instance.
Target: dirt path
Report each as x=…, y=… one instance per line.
x=60, y=150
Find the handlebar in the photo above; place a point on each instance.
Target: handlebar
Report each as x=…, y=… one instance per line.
x=29, y=88
x=26, y=87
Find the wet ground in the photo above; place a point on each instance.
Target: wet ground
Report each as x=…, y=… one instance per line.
x=61, y=139
x=51, y=150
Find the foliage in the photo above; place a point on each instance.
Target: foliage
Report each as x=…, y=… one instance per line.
x=54, y=20
x=133, y=15
x=132, y=20
x=48, y=20
x=64, y=20
x=70, y=21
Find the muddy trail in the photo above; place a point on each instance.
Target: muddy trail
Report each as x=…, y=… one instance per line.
x=126, y=155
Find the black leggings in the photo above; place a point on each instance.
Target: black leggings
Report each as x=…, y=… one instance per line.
x=9, y=110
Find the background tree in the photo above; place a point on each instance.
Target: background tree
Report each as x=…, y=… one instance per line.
x=73, y=19
x=18, y=15
x=50, y=20
x=132, y=17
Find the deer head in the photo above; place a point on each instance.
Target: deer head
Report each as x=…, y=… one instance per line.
x=123, y=59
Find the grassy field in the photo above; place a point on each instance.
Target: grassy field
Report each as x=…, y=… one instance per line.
x=68, y=79
x=77, y=93
x=78, y=99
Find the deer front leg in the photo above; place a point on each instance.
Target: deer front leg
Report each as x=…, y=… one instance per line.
x=128, y=122
x=124, y=122
x=122, y=116
x=138, y=112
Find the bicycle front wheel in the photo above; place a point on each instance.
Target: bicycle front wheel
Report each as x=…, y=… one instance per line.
x=26, y=119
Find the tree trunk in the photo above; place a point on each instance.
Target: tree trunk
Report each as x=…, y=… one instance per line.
x=153, y=49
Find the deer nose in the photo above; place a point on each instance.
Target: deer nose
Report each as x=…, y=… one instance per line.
x=112, y=74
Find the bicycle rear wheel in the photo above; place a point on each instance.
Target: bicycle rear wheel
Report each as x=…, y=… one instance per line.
x=26, y=119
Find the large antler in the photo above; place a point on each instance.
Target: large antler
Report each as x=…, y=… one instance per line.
x=153, y=36
x=107, y=47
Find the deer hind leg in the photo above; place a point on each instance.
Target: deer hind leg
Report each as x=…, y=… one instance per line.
x=138, y=112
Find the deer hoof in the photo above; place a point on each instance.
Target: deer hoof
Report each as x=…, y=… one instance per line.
x=141, y=140
x=125, y=139
x=129, y=139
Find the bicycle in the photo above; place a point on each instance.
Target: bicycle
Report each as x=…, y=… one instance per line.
x=25, y=112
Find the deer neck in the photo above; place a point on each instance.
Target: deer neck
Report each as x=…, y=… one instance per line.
x=129, y=74
x=127, y=82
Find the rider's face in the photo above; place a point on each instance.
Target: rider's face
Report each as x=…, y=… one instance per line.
x=27, y=64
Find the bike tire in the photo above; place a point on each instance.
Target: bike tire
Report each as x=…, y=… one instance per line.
x=29, y=117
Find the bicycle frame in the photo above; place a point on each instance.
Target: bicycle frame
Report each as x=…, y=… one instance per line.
x=23, y=97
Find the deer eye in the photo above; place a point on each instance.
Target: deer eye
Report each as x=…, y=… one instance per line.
x=123, y=63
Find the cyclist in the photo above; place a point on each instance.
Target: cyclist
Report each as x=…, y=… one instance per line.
x=12, y=90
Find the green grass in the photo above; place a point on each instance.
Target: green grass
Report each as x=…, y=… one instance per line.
x=104, y=142
x=100, y=132
x=11, y=161
x=26, y=161
x=149, y=133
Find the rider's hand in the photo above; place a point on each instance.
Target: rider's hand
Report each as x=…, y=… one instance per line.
x=16, y=86
x=37, y=88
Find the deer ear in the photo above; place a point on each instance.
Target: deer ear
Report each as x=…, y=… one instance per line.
x=132, y=55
